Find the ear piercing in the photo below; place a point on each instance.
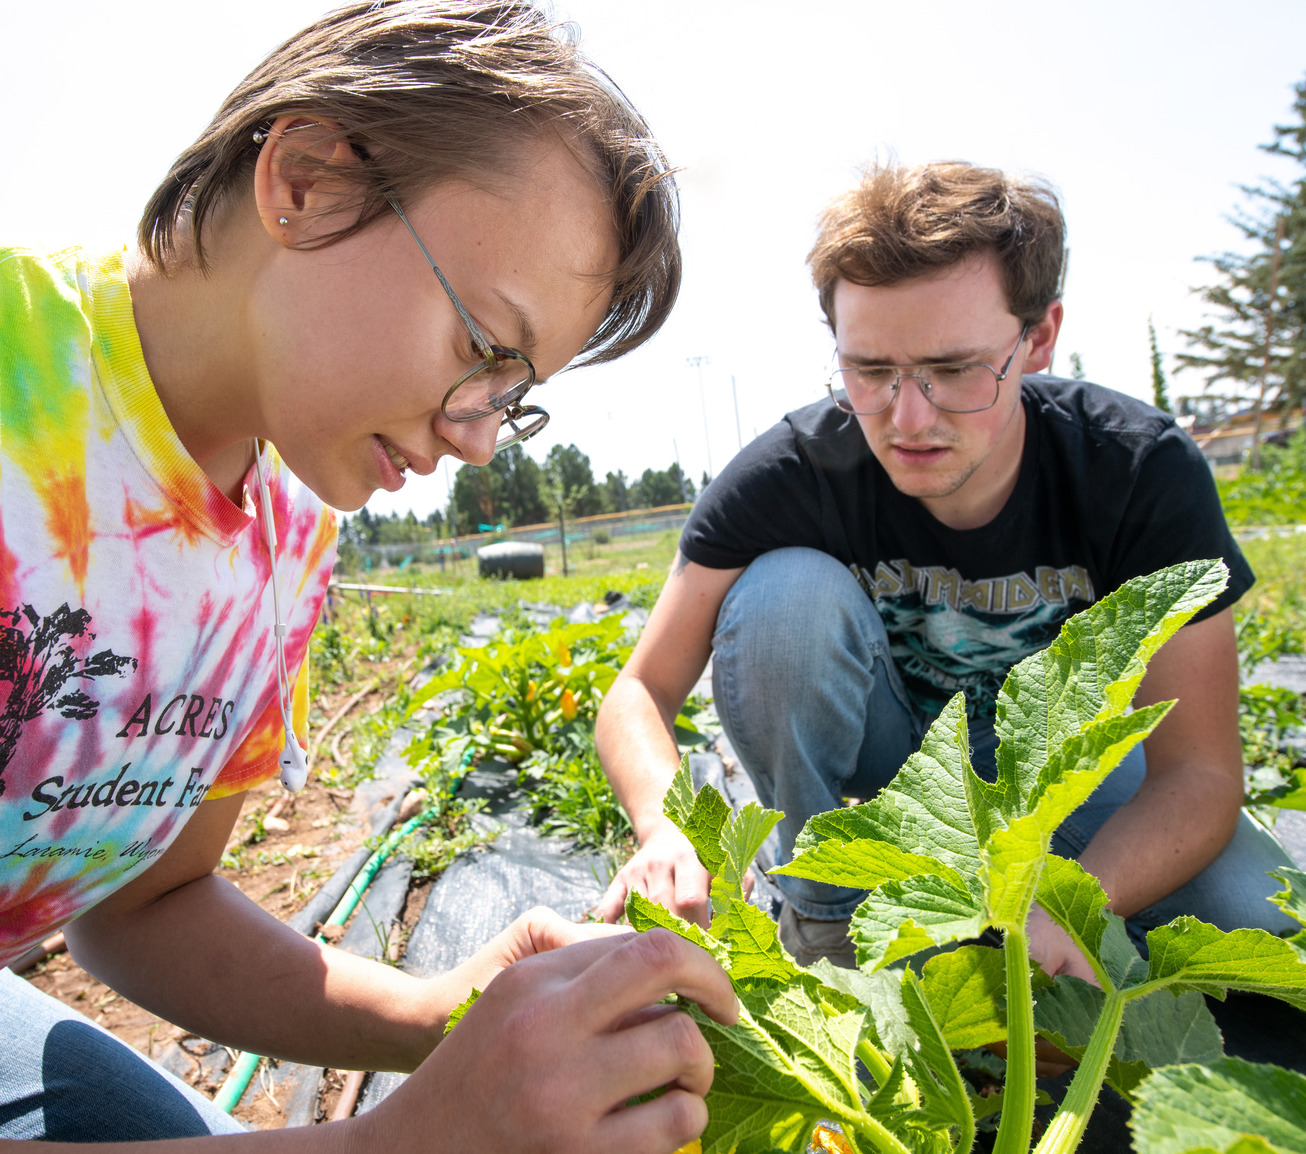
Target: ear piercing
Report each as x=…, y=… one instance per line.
x=259, y=137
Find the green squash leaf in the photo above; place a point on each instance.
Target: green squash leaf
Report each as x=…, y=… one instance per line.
x=787, y=1064
x=1155, y=1031
x=1189, y=954
x=1091, y=670
x=699, y=816
x=1225, y=1106
x=1292, y=900
x=1075, y=900
x=919, y=824
x=964, y=988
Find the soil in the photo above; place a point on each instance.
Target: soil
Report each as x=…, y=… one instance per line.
x=280, y=869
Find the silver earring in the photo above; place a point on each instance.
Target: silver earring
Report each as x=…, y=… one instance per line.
x=282, y=220
x=260, y=136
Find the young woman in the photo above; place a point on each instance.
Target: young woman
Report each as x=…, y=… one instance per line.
x=409, y=214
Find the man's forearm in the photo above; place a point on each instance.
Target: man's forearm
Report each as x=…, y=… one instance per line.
x=1163, y=837
x=636, y=743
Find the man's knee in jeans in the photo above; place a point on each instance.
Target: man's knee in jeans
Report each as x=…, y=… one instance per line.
x=788, y=606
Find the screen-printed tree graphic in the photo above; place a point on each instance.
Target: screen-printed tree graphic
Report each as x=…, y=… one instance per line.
x=37, y=662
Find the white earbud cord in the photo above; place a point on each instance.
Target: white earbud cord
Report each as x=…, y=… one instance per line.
x=294, y=767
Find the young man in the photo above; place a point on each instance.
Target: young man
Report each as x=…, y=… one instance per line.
x=931, y=524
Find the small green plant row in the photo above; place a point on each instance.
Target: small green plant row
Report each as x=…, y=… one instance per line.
x=1271, y=718
x=945, y=856
x=517, y=691
x=530, y=697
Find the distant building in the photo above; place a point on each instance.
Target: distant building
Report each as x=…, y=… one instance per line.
x=1223, y=427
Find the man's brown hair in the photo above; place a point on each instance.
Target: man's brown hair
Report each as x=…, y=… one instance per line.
x=905, y=222
x=431, y=90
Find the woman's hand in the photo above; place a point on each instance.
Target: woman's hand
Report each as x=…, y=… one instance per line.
x=559, y=1043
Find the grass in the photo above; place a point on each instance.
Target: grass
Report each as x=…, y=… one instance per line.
x=635, y=566
x=1279, y=594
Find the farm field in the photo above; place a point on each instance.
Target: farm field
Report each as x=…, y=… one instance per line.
x=365, y=664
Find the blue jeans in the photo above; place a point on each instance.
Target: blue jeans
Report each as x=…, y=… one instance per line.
x=64, y=1079
x=812, y=702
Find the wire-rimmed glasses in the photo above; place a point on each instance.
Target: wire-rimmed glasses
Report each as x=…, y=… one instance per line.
x=953, y=387
x=497, y=384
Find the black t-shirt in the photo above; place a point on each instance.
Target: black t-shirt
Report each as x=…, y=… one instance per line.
x=1109, y=488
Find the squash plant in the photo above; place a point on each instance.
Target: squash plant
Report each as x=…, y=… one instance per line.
x=945, y=856
x=521, y=687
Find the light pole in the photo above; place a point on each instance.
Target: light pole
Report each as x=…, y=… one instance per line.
x=684, y=499
x=698, y=363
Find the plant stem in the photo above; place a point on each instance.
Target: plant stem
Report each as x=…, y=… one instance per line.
x=881, y=1137
x=1017, y=1123
x=875, y=1062
x=1068, y=1126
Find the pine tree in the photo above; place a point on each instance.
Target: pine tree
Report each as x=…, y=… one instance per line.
x=1160, y=397
x=1256, y=342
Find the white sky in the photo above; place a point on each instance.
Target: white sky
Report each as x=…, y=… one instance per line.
x=1145, y=115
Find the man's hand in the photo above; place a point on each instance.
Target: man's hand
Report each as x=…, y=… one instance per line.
x=665, y=870
x=551, y=1054
x=1053, y=949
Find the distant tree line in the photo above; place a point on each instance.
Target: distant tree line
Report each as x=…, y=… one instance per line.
x=514, y=490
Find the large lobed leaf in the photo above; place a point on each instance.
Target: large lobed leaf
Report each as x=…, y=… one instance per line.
x=1091, y=669
x=937, y=830
x=1231, y=1105
x=1293, y=902
x=1189, y=954
x=919, y=823
x=787, y=1063
x=1157, y=1031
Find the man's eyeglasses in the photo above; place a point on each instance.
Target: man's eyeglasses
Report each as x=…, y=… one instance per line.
x=963, y=387
x=497, y=383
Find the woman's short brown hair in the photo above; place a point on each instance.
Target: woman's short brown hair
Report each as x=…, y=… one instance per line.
x=905, y=222
x=432, y=90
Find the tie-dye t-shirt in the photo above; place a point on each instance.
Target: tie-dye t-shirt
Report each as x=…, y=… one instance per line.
x=137, y=656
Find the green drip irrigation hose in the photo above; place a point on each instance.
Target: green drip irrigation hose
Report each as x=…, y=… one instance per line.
x=246, y=1065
